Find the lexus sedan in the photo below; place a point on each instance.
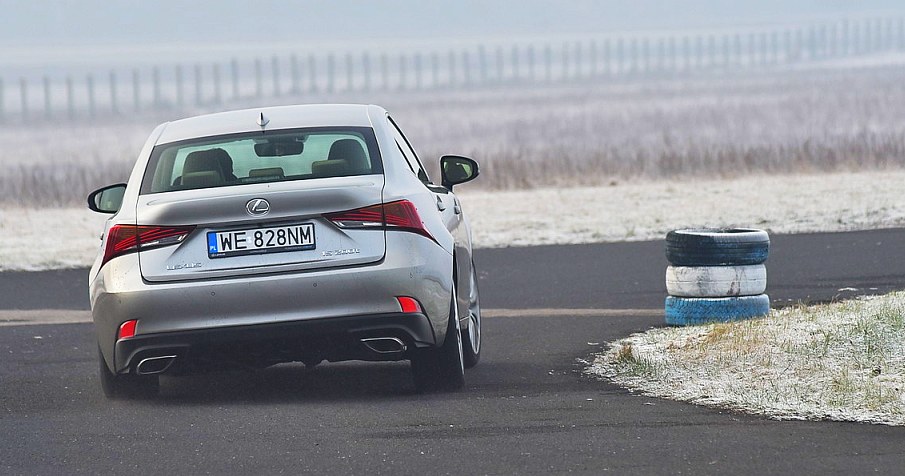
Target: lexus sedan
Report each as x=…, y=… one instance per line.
x=286, y=234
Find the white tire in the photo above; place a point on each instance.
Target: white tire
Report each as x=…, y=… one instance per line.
x=716, y=281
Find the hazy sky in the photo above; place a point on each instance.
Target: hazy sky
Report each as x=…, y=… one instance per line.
x=131, y=22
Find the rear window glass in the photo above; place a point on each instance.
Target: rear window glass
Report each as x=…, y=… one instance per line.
x=272, y=156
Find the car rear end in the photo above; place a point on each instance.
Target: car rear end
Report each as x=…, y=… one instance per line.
x=265, y=246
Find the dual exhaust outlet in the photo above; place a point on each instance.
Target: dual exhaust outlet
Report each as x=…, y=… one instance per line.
x=378, y=345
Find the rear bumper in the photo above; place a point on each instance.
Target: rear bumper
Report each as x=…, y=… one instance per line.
x=267, y=344
x=413, y=266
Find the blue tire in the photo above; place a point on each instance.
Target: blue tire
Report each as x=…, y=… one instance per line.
x=717, y=247
x=692, y=311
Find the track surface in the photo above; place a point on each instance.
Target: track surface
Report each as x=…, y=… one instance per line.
x=526, y=408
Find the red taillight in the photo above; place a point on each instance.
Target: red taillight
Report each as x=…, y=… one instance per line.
x=408, y=305
x=127, y=329
x=399, y=215
x=122, y=239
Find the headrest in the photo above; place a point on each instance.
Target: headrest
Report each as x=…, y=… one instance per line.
x=211, y=159
x=351, y=151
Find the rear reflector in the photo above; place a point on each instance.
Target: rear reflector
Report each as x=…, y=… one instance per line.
x=409, y=305
x=123, y=239
x=127, y=329
x=400, y=215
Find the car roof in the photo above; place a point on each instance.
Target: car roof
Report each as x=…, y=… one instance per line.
x=278, y=117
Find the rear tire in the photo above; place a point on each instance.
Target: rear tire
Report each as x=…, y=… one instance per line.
x=443, y=368
x=126, y=386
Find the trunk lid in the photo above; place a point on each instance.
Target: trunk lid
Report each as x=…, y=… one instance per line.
x=293, y=235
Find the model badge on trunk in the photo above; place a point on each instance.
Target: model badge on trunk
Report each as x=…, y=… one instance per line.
x=257, y=207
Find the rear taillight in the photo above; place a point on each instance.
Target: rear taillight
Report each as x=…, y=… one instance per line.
x=126, y=330
x=408, y=304
x=401, y=215
x=122, y=239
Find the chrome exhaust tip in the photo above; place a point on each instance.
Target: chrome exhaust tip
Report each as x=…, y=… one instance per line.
x=155, y=365
x=384, y=345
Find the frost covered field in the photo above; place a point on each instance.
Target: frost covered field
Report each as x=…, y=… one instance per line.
x=640, y=210
x=842, y=361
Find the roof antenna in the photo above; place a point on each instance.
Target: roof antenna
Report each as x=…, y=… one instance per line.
x=262, y=121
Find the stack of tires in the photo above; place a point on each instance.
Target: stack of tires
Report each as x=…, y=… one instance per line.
x=716, y=275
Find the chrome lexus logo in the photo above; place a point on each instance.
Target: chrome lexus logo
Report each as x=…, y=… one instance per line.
x=257, y=207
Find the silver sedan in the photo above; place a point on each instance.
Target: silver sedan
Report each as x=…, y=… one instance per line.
x=285, y=234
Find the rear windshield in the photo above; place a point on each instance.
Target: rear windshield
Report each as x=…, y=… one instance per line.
x=257, y=157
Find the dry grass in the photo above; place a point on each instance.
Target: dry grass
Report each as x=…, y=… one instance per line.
x=561, y=135
x=842, y=361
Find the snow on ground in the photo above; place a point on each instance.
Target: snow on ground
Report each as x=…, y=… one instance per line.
x=648, y=210
x=843, y=361
x=33, y=239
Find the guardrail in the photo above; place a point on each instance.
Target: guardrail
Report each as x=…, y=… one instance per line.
x=213, y=84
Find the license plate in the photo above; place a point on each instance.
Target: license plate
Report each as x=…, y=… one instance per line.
x=222, y=244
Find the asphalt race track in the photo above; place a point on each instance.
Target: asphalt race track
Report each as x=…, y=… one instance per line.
x=526, y=408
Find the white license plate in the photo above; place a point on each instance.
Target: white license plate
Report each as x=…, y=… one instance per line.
x=221, y=244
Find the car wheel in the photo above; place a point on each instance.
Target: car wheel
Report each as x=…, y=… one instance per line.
x=471, y=337
x=442, y=368
x=127, y=386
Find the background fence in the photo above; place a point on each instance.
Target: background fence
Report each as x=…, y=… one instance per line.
x=212, y=84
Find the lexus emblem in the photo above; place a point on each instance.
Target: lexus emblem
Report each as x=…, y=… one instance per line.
x=257, y=207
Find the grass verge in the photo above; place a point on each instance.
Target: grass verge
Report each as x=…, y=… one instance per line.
x=843, y=361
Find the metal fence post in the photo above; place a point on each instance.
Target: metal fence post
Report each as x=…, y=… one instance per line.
x=500, y=74
x=578, y=61
x=593, y=59
x=23, y=96
x=515, y=63
x=331, y=72
x=180, y=94
x=275, y=72
x=155, y=84
x=417, y=66
x=2, y=101
x=199, y=93
x=350, y=75
x=136, y=90
x=482, y=64
x=466, y=68
x=385, y=72
x=47, y=104
x=114, y=100
x=901, y=34
x=294, y=73
x=259, y=79
x=366, y=69
x=234, y=72
x=435, y=70
x=215, y=73
x=92, y=108
x=312, y=73
x=402, y=73
x=451, y=69
x=70, y=98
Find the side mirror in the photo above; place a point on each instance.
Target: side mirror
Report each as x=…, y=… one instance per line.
x=455, y=169
x=107, y=199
